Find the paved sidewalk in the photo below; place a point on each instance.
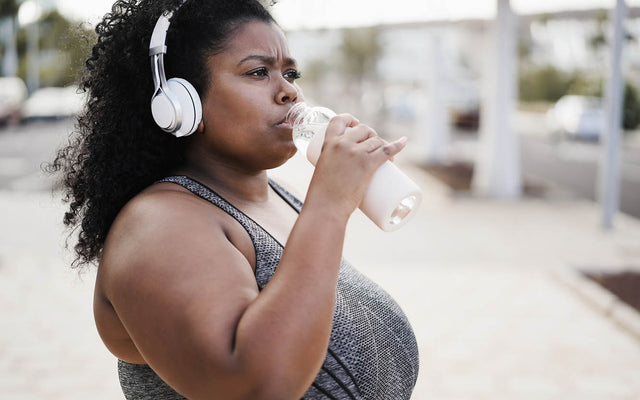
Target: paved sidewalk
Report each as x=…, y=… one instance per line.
x=489, y=286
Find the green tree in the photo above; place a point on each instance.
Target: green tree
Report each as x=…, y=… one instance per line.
x=64, y=46
x=8, y=8
x=71, y=41
x=631, y=102
x=360, y=52
x=543, y=84
x=8, y=11
x=599, y=39
x=586, y=84
x=631, y=107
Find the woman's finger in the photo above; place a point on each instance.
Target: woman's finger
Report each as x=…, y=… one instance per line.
x=339, y=124
x=360, y=133
x=373, y=143
x=391, y=149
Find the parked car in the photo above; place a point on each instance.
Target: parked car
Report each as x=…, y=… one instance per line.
x=53, y=103
x=465, y=117
x=13, y=93
x=577, y=117
x=464, y=104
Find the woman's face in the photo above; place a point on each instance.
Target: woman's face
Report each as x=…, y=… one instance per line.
x=252, y=86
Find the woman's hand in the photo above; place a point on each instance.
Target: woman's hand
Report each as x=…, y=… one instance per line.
x=351, y=154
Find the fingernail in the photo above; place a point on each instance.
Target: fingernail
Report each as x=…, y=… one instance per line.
x=403, y=140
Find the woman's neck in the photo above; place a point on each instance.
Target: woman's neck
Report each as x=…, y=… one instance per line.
x=230, y=182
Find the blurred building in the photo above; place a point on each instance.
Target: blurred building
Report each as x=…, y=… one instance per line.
x=398, y=88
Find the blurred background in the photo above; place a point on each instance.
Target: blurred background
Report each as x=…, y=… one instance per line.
x=520, y=274
x=377, y=63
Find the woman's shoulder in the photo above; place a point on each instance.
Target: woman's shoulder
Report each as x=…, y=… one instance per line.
x=165, y=218
x=162, y=209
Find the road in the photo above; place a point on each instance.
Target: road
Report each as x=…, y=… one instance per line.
x=575, y=166
x=564, y=166
x=25, y=148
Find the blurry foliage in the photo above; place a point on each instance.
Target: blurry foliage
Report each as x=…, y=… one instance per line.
x=544, y=18
x=586, y=84
x=548, y=84
x=8, y=8
x=543, y=83
x=599, y=39
x=64, y=46
x=631, y=102
x=631, y=107
x=524, y=48
x=360, y=51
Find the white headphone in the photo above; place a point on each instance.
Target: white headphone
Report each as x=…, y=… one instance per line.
x=175, y=104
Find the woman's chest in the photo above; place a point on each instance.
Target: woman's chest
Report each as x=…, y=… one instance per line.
x=275, y=217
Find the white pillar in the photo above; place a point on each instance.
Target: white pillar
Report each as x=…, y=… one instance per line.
x=33, y=57
x=436, y=132
x=10, y=59
x=610, y=165
x=29, y=14
x=497, y=171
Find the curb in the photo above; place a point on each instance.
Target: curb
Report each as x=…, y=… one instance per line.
x=600, y=299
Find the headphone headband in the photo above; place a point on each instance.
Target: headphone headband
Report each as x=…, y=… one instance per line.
x=157, y=50
x=159, y=35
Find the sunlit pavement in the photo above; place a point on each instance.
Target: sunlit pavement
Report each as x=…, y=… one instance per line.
x=483, y=282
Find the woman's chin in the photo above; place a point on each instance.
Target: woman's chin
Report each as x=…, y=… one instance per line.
x=292, y=152
x=289, y=149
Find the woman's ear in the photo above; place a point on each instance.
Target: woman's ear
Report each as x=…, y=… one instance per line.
x=200, y=127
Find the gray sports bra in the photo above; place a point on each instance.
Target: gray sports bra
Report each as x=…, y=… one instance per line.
x=372, y=352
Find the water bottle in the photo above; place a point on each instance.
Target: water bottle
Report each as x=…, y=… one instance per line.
x=391, y=199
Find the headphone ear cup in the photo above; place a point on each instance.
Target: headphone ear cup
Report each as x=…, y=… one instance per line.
x=187, y=96
x=163, y=111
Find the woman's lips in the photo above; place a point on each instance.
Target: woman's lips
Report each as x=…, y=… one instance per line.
x=284, y=124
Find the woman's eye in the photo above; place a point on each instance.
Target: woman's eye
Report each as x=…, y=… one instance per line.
x=259, y=72
x=292, y=75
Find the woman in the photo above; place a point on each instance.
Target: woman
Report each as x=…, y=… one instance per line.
x=195, y=294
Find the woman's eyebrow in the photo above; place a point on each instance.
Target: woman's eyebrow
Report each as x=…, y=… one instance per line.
x=269, y=60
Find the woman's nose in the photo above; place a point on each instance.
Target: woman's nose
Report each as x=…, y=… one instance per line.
x=288, y=93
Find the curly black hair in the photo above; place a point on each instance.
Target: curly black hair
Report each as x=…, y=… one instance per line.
x=116, y=149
